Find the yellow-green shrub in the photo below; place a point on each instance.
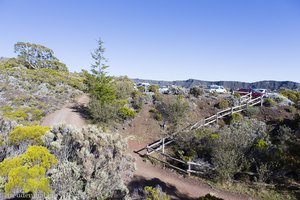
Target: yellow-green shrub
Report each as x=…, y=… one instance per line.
x=153, y=88
x=31, y=134
x=1, y=140
x=24, y=114
x=223, y=104
x=156, y=114
x=125, y=113
x=269, y=102
x=293, y=95
x=19, y=114
x=27, y=171
x=155, y=193
x=235, y=117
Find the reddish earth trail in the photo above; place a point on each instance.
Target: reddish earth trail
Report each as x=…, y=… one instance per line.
x=67, y=114
x=177, y=186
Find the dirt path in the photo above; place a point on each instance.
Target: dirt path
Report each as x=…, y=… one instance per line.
x=178, y=186
x=68, y=114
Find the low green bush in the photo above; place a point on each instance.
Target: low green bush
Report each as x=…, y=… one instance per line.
x=251, y=111
x=30, y=134
x=293, y=95
x=155, y=193
x=19, y=114
x=196, y=91
x=210, y=197
x=269, y=102
x=223, y=104
x=24, y=114
x=156, y=114
x=235, y=117
x=153, y=88
x=126, y=113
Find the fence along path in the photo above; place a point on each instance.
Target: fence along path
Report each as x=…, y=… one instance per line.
x=159, y=145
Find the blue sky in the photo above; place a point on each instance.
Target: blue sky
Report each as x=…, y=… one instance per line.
x=244, y=40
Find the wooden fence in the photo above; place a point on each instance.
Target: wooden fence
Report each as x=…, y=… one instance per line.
x=160, y=145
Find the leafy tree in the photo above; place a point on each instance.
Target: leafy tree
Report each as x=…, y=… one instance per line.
x=27, y=171
x=38, y=56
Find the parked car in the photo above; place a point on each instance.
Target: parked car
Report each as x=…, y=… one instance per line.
x=217, y=89
x=254, y=92
x=261, y=92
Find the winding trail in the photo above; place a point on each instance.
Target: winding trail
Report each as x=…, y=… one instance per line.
x=68, y=114
x=177, y=186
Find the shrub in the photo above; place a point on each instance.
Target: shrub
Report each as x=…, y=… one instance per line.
x=230, y=150
x=103, y=112
x=261, y=143
x=27, y=171
x=223, y=104
x=235, y=117
x=210, y=197
x=92, y=164
x=155, y=193
x=196, y=92
x=137, y=99
x=269, y=102
x=24, y=114
x=31, y=134
x=293, y=95
x=156, y=114
x=141, y=88
x=19, y=114
x=237, y=95
x=126, y=113
x=153, y=88
x=1, y=140
x=251, y=111
x=173, y=109
x=124, y=87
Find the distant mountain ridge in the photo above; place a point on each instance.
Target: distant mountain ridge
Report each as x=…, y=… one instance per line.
x=271, y=85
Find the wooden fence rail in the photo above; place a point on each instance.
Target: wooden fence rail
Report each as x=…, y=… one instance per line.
x=159, y=145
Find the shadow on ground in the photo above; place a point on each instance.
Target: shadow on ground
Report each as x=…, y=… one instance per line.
x=138, y=183
x=82, y=110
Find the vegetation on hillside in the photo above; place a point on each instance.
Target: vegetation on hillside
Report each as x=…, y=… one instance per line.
x=246, y=150
x=27, y=93
x=59, y=162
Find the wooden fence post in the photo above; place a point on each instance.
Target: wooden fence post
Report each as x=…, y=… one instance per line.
x=261, y=101
x=217, y=117
x=147, y=149
x=163, y=145
x=189, y=167
x=231, y=110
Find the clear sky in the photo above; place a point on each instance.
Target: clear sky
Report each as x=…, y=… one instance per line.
x=244, y=40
